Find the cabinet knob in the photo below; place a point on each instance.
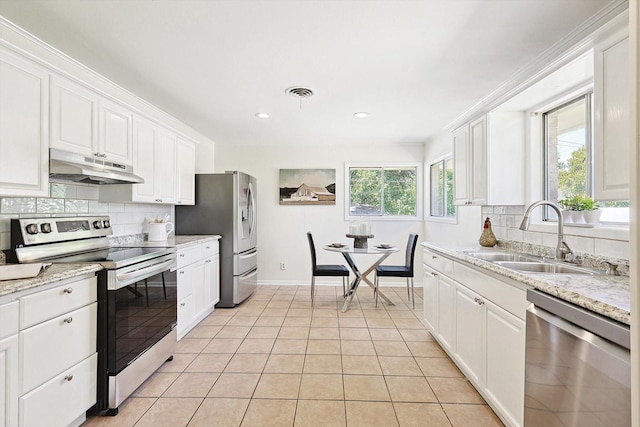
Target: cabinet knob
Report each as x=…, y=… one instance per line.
x=182, y=304
x=68, y=290
x=181, y=255
x=181, y=271
x=434, y=257
x=208, y=261
x=68, y=320
x=68, y=377
x=434, y=274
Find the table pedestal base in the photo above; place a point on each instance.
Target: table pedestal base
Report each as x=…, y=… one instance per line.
x=360, y=240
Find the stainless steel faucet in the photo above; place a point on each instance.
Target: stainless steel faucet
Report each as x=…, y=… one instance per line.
x=562, y=249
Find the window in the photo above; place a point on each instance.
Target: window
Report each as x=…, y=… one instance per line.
x=383, y=191
x=568, y=157
x=441, y=189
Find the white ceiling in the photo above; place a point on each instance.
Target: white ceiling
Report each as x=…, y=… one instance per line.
x=414, y=65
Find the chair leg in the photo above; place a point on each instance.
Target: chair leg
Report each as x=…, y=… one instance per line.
x=413, y=295
x=408, y=293
x=344, y=285
x=146, y=291
x=313, y=288
x=164, y=285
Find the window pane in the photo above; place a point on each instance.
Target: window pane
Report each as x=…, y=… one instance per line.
x=365, y=191
x=400, y=192
x=437, y=189
x=448, y=188
x=567, y=148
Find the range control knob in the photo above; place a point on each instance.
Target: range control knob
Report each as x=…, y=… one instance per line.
x=106, y=223
x=45, y=228
x=97, y=224
x=32, y=228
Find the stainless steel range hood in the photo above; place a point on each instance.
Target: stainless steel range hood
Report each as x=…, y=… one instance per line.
x=74, y=167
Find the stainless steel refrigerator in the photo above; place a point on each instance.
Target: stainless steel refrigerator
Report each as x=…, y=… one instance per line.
x=226, y=205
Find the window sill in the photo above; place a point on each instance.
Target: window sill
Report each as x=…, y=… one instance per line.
x=442, y=219
x=611, y=232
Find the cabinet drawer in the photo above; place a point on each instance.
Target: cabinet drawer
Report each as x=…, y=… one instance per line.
x=184, y=257
x=62, y=399
x=198, y=252
x=211, y=248
x=9, y=319
x=438, y=262
x=53, y=302
x=53, y=346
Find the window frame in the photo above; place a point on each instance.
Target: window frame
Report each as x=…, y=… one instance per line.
x=428, y=217
x=384, y=165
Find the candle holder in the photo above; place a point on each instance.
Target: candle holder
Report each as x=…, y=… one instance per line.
x=360, y=240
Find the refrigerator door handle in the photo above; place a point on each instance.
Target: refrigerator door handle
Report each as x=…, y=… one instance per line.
x=252, y=211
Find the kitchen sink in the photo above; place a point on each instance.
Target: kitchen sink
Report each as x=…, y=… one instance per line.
x=545, y=267
x=504, y=256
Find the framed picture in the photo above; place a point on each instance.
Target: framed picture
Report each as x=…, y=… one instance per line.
x=307, y=186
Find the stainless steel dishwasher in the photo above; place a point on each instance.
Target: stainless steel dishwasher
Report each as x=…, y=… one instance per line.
x=577, y=370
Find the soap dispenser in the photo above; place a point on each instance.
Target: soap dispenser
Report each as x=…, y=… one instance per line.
x=487, y=238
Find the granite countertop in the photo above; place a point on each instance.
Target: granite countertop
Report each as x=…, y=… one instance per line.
x=52, y=273
x=605, y=295
x=172, y=242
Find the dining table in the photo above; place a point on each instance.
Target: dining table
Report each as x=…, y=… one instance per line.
x=361, y=276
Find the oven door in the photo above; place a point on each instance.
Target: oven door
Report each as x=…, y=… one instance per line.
x=141, y=312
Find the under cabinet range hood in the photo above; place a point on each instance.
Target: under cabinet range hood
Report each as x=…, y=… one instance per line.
x=68, y=166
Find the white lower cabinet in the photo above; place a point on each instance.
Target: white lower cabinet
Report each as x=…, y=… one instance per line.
x=479, y=321
x=48, y=367
x=198, y=281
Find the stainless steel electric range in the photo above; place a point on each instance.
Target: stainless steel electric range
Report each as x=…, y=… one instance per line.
x=137, y=306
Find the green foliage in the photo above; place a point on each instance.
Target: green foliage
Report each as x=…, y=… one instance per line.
x=578, y=202
x=572, y=175
x=376, y=191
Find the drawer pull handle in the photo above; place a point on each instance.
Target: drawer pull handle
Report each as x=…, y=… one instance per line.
x=68, y=320
x=434, y=257
x=68, y=290
x=181, y=255
x=181, y=271
x=434, y=274
x=68, y=377
x=208, y=261
x=183, y=304
x=208, y=247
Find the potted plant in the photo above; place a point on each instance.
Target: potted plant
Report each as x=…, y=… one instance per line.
x=572, y=213
x=590, y=210
x=580, y=209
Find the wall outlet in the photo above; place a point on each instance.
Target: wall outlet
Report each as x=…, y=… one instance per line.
x=283, y=266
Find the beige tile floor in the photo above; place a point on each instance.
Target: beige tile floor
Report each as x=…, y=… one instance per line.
x=277, y=361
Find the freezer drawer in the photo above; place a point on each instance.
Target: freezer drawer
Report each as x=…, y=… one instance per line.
x=244, y=286
x=245, y=262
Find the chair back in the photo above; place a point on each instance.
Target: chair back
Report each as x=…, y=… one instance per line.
x=411, y=250
x=313, y=251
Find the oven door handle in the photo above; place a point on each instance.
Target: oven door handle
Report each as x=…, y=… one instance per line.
x=127, y=278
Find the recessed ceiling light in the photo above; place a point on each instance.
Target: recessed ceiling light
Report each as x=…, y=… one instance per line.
x=262, y=115
x=361, y=115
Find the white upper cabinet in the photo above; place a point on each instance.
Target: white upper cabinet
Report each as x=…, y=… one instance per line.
x=166, y=166
x=74, y=117
x=85, y=123
x=24, y=130
x=489, y=166
x=116, y=132
x=186, y=164
x=611, y=118
x=144, y=159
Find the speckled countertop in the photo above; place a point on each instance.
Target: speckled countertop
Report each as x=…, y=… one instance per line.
x=606, y=295
x=52, y=273
x=172, y=242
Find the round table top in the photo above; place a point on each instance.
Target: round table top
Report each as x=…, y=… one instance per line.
x=370, y=250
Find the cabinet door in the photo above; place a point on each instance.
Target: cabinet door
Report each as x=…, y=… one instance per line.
x=166, y=167
x=9, y=381
x=116, y=133
x=505, y=341
x=477, y=162
x=212, y=281
x=24, y=100
x=460, y=165
x=446, y=313
x=469, y=332
x=611, y=115
x=74, y=117
x=144, y=159
x=430, y=299
x=198, y=278
x=186, y=164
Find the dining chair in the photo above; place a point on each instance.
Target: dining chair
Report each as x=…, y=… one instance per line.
x=325, y=270
x=405, y=270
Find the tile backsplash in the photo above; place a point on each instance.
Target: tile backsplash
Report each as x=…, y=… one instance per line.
x=77, y=200
x=505, y=221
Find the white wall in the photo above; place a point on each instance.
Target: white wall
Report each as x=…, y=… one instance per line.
x=282, y=229
x=468, y=226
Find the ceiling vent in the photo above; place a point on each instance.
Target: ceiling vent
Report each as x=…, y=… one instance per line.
x=301, y=92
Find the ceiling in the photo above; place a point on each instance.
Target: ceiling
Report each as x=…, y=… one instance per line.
x=414, y=65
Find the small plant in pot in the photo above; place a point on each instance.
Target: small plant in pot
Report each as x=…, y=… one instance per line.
x=580, y=209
